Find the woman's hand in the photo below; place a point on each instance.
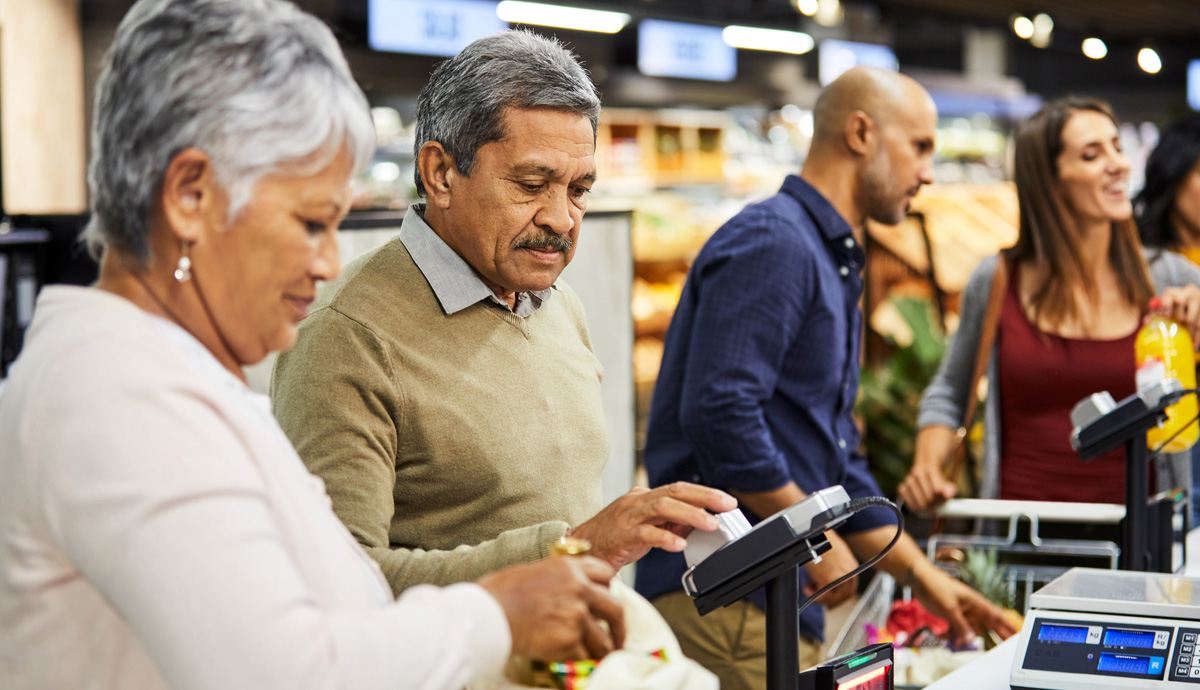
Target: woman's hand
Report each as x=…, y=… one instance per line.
x=1183, y=305
x=555, y=607
x=925, y=486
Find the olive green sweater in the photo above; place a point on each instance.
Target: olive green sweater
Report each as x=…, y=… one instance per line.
x=451, y=446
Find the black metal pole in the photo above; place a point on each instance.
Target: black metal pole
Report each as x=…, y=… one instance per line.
x=783, y=631
x=1133, y=546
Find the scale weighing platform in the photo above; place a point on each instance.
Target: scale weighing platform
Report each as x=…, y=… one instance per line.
x=1111, y=629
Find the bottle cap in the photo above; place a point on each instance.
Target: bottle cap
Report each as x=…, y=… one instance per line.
x=1155, y=303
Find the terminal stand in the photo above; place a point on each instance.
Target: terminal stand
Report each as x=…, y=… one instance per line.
x=1101, y=425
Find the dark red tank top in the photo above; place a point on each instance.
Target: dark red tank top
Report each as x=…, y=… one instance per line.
x=1042, y=376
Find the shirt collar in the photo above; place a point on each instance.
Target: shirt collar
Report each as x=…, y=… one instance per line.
x=837, y=233
x=831, y=223
x=455, y=284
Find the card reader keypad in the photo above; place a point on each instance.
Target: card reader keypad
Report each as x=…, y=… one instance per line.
x=1187, y=661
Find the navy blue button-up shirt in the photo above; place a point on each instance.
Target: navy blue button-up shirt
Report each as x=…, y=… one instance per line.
x=760, y=369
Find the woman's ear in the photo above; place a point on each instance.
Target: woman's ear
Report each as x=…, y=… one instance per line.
x=189, y=195
x=438, y=173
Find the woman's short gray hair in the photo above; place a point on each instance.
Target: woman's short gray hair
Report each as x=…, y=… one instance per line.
x=256, y=84
x=462, y=104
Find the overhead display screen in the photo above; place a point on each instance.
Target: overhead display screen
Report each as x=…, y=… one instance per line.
x=1129, y=638
x=690, y=51
x=835, y=56
x=1193, y=84
x=440, y=28
x=1064, y=633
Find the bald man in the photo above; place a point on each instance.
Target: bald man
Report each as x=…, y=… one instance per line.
x=760, y=371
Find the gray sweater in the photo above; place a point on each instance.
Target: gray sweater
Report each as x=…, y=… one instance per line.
x=945, y=399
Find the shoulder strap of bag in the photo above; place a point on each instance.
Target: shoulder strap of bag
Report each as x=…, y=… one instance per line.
x=991, y=323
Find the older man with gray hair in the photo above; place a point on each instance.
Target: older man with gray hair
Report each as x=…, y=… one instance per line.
x=445, y=388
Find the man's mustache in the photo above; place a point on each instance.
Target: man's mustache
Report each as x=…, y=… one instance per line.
x=547, y=242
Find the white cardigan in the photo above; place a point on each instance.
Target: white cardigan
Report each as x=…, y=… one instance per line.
x=158, y=530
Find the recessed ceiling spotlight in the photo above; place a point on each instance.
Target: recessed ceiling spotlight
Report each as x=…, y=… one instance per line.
x=807, y=8
x=1149, y=60
x=1043, y=29
x=1094, y=48
x=1022, y=26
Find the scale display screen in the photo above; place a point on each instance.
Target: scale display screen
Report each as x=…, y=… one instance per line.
x=1122, y=663
x=1067, y=633
x=1128, y=638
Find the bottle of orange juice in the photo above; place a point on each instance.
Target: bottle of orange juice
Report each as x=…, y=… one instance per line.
x=1164, y=351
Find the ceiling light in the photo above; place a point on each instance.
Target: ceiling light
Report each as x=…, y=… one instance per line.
x=1149, y=61
x=1022, y=27
x=1094, y=48
x=539, y=14
x=805, y=7
x=754, y=38
x=829, y=12
x=1043, y=26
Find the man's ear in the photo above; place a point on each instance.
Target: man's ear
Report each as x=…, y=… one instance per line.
x=438, y=173
x=190, y=194
x=860, y=133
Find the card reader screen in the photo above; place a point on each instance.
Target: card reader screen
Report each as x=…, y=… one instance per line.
x=1066, y=633
x=1129, y=638
x=1123, y=663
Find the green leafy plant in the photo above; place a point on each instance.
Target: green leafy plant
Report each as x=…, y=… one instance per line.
x=982, y=572
x=890, y=393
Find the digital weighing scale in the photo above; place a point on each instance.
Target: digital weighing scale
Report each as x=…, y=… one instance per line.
x=1111, y=629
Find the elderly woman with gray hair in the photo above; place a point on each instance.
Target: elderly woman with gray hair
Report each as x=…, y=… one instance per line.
x=156, y=527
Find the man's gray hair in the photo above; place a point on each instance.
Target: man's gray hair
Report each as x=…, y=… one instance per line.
x=462, y=104
x=258, y=85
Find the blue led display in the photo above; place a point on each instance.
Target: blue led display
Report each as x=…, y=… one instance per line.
x=1129, y=638
x=1121, y=663
x=691, y=51
x=1193, y=84
x=425, y=27
x=1062, y=633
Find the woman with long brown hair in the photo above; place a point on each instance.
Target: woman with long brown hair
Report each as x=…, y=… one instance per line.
x=1077, y=288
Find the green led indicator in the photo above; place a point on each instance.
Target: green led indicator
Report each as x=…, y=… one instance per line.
x=859, y=661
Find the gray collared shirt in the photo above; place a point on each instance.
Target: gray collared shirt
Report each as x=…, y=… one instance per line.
x=455, y=284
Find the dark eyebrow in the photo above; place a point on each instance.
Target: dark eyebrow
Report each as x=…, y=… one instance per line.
x=590, y=177
x=534, y=169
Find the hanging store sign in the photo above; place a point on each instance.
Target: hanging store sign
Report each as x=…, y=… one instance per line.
x=690, y=51
x=444, y=27
x=1193, y=84
x=835, y=56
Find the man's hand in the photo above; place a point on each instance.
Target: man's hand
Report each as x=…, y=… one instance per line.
x=1183, y=305
x=554, y=608
x=967, y=611
x=835, y=563
x=925, y=487
x=624, y=530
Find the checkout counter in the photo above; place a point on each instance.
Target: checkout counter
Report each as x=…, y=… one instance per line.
x=993, y=670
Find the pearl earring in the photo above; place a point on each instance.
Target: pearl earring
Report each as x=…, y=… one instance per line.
x=183, y=270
